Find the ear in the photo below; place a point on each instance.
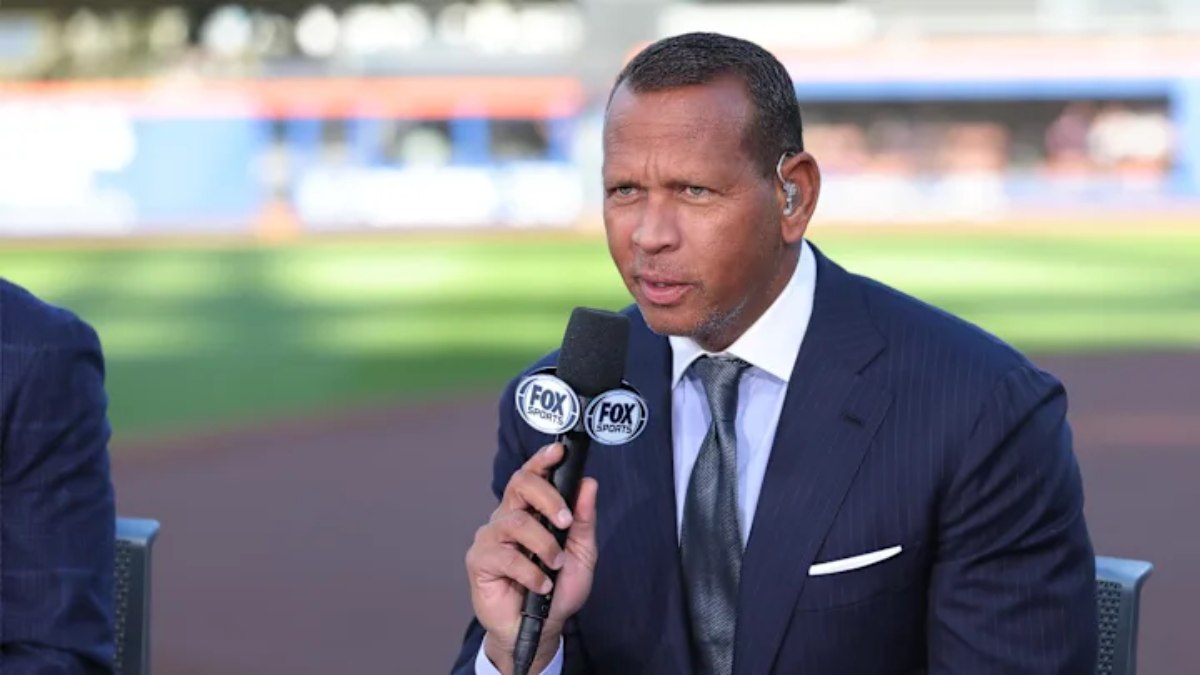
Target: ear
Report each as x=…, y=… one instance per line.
x=799, y=169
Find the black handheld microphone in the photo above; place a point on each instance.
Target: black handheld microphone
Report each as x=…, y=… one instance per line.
x=591, y=362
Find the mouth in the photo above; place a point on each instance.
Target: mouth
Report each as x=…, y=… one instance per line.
x=662, y=292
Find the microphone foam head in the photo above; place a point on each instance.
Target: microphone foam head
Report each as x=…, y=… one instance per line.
x=592, y=358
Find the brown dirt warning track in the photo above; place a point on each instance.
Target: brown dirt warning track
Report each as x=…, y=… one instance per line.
x=334, y=546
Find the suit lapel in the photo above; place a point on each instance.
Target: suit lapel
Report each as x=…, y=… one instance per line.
x=638, y=519
x=829, y=417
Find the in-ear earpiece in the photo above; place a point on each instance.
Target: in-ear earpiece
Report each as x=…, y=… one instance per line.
x=789, y=188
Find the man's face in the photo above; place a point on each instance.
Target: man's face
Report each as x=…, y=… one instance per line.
x=693, y=223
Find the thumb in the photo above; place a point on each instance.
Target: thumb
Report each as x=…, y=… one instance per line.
x=583, y=530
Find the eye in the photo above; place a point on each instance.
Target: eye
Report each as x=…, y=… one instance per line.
x=622, y=191
x=696, y=191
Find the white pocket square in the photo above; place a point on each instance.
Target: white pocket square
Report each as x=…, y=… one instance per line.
x=853, y=563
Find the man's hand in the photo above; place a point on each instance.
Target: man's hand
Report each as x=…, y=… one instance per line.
x=499, y=572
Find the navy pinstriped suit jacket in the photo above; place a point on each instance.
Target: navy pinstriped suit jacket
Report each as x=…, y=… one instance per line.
x=902, y=426
x=57, y=515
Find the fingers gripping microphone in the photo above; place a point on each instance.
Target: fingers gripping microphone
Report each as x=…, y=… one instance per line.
x=591, y=361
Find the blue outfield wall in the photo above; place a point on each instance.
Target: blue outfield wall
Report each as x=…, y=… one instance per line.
x=1185, y=111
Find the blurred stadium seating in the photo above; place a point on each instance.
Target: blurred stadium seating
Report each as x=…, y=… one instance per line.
x=278, y=118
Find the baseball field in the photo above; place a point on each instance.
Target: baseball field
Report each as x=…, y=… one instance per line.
x=313, y=422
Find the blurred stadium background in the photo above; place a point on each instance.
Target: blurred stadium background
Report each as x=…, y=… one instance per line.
x=316, y=238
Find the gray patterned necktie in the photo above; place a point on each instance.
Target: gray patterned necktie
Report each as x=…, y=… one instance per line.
x=711, y=541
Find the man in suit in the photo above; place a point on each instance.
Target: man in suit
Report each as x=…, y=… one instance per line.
x=835, y=478
x=57, y=515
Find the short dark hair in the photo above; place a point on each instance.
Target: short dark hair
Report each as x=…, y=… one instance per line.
x=700, y=58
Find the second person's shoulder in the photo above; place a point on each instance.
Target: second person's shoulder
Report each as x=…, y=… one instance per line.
x=30, y=322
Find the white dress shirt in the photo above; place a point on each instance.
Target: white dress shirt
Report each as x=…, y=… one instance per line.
x=770, y=346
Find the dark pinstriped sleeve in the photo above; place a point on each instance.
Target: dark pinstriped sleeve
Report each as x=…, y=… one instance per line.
x=1013, y=587
x=57, y=514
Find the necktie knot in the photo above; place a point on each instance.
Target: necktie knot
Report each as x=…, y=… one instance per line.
x=720, y=375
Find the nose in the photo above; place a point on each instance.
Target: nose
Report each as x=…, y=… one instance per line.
x=657, y=230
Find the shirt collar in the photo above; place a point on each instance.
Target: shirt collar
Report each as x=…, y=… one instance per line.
x=773, y=342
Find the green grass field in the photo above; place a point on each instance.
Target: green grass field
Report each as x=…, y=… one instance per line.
x=210, y=336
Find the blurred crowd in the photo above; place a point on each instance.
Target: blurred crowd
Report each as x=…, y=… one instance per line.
x=127, y=93
x=1080, y=139
x=1064, y=139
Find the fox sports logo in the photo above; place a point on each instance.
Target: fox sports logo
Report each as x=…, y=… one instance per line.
x=616, y=417
x=547, y=404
